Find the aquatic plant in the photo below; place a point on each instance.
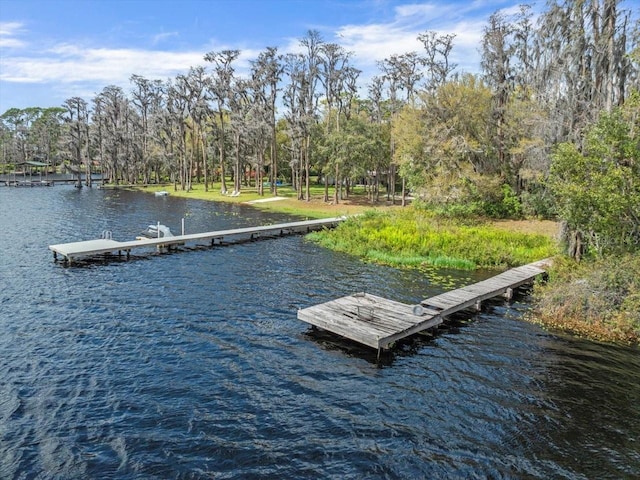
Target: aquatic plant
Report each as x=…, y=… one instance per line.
x=415, y=237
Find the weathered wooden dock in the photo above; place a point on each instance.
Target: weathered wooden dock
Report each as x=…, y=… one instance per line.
x=378, y=322
x=91, y=248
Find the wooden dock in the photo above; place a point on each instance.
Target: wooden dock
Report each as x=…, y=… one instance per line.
x=91, y=248
x=378, y=322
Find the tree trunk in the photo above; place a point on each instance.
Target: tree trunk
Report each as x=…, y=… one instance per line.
x=404, y=192
x=223, y=187
x=237, y=180
x=307, y=168
x=326, y=188
x=204, y=163
x=336, y=197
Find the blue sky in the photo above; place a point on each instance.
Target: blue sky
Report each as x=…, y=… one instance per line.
x=52, y=50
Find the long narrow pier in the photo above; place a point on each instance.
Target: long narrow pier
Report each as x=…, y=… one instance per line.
x=91, y=248
x=378, y=322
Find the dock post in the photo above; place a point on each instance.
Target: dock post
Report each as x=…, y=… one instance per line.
x=508, y=294
x=55, y=256
x=478, y=306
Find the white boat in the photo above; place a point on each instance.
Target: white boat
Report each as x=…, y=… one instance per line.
x=162, y=193
x=156, y=231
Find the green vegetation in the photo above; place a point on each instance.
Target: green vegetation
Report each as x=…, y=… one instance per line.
x=597, y=190
x=598, y=299
x=416, y=237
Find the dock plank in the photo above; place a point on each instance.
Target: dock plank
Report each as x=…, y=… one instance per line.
x=376, y=329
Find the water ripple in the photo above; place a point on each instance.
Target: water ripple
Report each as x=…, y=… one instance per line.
x=193, y=365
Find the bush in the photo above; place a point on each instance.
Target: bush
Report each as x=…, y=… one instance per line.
x=537, y=202
x=598, y=299
x=597, y=188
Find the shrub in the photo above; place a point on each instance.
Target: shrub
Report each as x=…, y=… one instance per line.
x=598, y=299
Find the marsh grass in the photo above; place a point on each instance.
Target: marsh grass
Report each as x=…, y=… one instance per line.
x=414, y=237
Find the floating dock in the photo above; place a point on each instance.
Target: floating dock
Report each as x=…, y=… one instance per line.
x=91, y=248
x=378, y=322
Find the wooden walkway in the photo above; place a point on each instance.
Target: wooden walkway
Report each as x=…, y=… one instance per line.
x=90, y=248
x=378, y=322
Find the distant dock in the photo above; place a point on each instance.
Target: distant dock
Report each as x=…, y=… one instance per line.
x=106, y=245
x=378, y=322
x=26, y=183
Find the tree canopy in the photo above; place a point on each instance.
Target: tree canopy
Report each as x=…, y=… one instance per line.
x=597, y=189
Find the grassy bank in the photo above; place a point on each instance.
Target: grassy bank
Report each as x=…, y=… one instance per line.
x=595, y=299
x=415, y=238
x=286, y=202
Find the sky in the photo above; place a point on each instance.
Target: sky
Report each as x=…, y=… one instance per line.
x=52, y=50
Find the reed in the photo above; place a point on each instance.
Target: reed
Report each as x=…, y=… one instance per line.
x=414, y=237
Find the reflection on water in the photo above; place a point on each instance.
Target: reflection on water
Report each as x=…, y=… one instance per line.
x=193, y=365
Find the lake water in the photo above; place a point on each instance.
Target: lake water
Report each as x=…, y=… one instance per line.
x=193, y=364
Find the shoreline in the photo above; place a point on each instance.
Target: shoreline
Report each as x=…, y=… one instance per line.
x=286, y=202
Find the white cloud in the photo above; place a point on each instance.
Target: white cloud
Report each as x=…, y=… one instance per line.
x=377, y=41
x=416, y=11
x=8, y=32
x=161, y=37
x=67, y=63
x=10, y=28
x=11, y=43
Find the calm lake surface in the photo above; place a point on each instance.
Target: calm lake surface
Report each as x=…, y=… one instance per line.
x=193, y=364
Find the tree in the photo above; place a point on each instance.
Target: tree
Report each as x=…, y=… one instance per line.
x=496, y=63
x=443, y=144
x=111, y=111
x=312, y=60
x=46, y=134
x=220, y=92
x=401, y=73
x=266, y=74
x=377, y=110
x=77, y=118
x=582, y=63
x=146, y=98
x=409, y=132
x=436, y=59
x=338, y=79
x=178, y=97
x=241, y=125
x=597, y=191
x=17, y=124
